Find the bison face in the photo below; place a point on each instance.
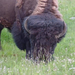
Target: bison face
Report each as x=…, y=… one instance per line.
x=45, y=31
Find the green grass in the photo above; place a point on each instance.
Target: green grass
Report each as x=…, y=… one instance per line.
x=13, y=62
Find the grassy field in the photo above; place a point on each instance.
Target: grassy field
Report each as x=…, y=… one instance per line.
x=13, y=62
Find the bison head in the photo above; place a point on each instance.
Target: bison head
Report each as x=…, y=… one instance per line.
x=45, y=32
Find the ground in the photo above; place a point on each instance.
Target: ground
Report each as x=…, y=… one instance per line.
x=13, y=62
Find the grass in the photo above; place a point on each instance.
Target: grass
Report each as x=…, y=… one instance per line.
x=13, y=62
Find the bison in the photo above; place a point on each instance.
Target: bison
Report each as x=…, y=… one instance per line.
x=36, y=25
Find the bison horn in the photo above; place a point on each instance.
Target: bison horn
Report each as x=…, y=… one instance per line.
x=25, y=25
x=63, y=32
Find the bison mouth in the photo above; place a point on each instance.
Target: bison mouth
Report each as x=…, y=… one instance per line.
x=45, y=31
